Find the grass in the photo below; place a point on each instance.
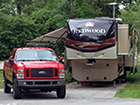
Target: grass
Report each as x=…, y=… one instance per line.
x=1, y=79
x=68, y=78
x=132, y=89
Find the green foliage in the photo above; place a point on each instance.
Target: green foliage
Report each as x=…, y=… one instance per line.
x=131, y=16
x=14, y=32
x=23, y=20
x=86, y=9
x=51, y=17
x=68, y=78
x=1, y=80
x=131, y=90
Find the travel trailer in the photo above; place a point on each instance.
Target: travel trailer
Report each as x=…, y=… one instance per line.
x=96, y=50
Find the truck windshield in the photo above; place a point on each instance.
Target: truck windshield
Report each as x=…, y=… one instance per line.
x=36, y=54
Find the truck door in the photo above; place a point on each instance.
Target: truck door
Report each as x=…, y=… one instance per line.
x=9, y=66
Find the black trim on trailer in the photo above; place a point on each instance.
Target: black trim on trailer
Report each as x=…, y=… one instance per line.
x=61, y=37
x=90, y=50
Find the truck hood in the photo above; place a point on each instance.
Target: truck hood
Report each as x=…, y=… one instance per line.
x=40, y=64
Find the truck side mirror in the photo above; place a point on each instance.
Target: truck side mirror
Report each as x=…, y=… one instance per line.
x=60, y=59
x=11, y=60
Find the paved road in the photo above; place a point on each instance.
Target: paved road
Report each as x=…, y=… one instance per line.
x=76, y=95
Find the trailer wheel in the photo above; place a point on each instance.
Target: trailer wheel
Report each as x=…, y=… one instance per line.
x=16, y=90
x=61, y=92
x=124, y=77
x=7, y=89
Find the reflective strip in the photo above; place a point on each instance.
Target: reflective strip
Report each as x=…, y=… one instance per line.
x=122, y=27
x=122, y=53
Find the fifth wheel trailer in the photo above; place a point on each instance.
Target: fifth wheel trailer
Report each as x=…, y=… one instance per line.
x=96, y=50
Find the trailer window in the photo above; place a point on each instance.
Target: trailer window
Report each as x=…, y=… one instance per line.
x=90, y=30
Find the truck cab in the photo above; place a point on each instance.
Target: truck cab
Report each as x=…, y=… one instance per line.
x=34, y=68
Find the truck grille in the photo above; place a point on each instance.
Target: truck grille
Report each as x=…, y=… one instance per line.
x=46, y=72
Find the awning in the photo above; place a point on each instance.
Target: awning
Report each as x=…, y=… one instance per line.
x=52, y=37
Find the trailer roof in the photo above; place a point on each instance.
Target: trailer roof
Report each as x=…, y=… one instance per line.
x=56, y=35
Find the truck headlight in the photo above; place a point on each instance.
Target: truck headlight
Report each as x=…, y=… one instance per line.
x=61, y=73
x=20, y=74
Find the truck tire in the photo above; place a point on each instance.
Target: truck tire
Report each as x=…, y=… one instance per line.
x=16, y=91
x=7, y=89
x=61, y=92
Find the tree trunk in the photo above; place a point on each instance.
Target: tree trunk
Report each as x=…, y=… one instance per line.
x=19, y=8
x=71, y=6
x=0, y=2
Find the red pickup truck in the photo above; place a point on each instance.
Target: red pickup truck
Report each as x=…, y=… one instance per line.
x=34, y=68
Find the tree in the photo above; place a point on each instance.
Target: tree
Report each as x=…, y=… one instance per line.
x=91, y=8
x=23, y=20
x=71, y=6
x=14, y=32
x=131, y=15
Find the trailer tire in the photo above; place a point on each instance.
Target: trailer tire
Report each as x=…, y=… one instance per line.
x=61, y=92
x=124, y=77
x=16, y=90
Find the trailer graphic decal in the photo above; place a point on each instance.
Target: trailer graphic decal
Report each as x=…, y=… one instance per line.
x=91, y=35
x=89, y=24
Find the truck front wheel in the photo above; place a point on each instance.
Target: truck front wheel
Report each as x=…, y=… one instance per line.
x=16, y=91
x=61, y=92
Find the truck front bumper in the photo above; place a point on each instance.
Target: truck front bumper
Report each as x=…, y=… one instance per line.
x=41, y=84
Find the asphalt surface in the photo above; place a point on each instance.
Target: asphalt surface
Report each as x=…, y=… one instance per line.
x=98, y=94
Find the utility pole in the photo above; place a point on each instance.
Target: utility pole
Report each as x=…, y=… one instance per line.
x=113, y=4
